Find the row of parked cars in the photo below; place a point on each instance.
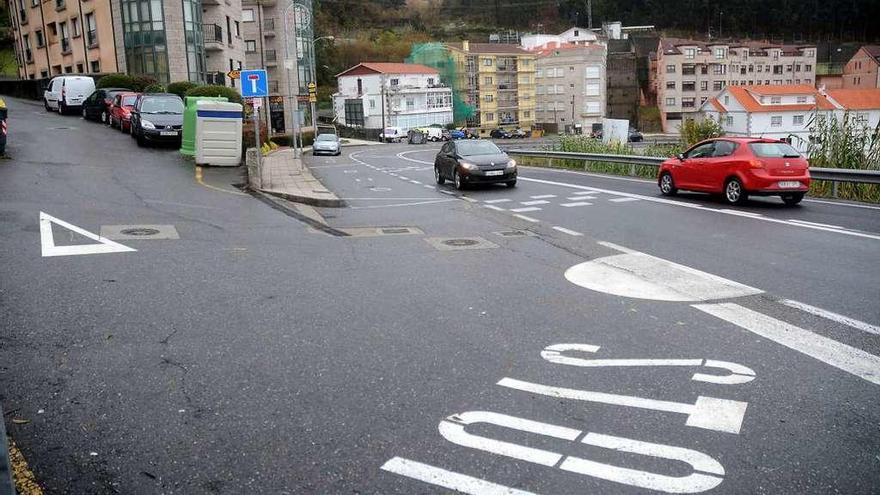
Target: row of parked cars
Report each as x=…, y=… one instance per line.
x=146, y=117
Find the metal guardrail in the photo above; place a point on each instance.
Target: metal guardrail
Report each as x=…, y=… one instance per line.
x=816, y=173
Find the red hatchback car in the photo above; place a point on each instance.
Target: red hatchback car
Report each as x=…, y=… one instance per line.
x=737, y=167
x=120, y=111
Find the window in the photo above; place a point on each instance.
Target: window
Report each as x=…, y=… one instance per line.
x=788, y=81
x=704, y=85
x=670, y=102
x=808, y=81
x=250, y=46
x=703, y=100
x=59, y=4
x=670, y=84
x=247, y=15
x=717, y=85
x=776, y=121
x=527, y=114
x=797, y=120
x=539, y=73
x=720, y=53
x=808, y=68
x=760, y=68
x=487, y=81
x=797, y=67
x=68, y=69
x=74, y=27
x=670, y=69
x=91, y=29
x=801, y=99
x=704, y=69
x=702, y=151
x=729, y=120
x=395, y=82
x=775, y=100
x=80, y=68
x=96, y=66
x=40, y=40
x=591, y=89
x=862, y=118
x=723, y=148
x=788, y=68
x=576, y=32
x=372, y=103
x=719, y=69
x=490, y=116
x=690, y=53
x=65, y=39
x=488, y=98
x=688, y=102
x=571, y=69
x=593, y=72
x=689, y=86
x=727, y=99
x=594, y=107
x=539, y=90
x=410, y=104
x=44, y=74
x=487, y=62
x=688, y=69
x=777, y=81
x=237, y=29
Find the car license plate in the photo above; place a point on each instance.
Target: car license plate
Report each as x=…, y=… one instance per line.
x=168, y=133
x=495, y=172
x=788, y=184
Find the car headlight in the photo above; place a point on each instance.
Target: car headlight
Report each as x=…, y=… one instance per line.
x=511, y=165
x=146, y=124
x=468, y=165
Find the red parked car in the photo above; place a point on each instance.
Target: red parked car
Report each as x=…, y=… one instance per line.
x=737, y=167
x=120, y=111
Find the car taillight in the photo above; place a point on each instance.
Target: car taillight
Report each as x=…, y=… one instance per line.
x=755, y=163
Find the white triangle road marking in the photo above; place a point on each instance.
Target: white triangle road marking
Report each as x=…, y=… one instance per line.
x=47, y=240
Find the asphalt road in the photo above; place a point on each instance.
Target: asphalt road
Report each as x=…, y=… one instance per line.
x=626, y=344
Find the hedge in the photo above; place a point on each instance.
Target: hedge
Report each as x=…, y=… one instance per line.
x=140, y=83
x=116, y=81
x=181, y=87
x=154, y=88
x=211, y=90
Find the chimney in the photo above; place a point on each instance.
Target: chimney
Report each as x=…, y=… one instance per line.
x=466, y=45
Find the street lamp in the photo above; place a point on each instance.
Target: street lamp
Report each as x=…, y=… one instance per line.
x=315, y=80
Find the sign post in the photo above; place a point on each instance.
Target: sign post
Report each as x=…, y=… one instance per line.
x=255, y=85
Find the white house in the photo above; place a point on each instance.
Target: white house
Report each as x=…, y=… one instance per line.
x=411, y=94
x=574, y=36
x=788, y=111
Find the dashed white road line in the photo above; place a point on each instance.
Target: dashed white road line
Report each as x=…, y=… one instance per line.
x=527, y=219
x=543, y=196
x=493, y=201
x=469, y=200
x=581, y=198
x=429, y=186
x=567, y=231
x=448, y=192
x=447, y=479
x=850, y=359
x=416, y=182
x=493, y=207
x=532, y=203
x=816, y=224
x=522, y=210
x=835, y=317
x=572, y=205
x=623, y=200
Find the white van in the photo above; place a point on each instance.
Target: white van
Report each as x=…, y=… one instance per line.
x=67, y=93
x=392, y=134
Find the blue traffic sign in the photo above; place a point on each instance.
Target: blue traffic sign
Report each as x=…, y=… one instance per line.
x=254, y=83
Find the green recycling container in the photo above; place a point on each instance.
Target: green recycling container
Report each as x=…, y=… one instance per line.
x=188, y=141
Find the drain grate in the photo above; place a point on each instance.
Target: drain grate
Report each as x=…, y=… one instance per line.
x=459, y=243
x=139, y=231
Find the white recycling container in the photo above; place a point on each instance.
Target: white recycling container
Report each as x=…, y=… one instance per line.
x=218, y=133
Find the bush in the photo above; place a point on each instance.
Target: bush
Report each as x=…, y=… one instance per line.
x=308, y=138
x=211, y=90
x=116, y=81
x=693, y=131
x=181, y=87
x=154, y=88
x=140, y=83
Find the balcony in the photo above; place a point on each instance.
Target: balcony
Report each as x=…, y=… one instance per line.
x=271, y=58
x=213, y=37
x=273, y=87
x=268, y=27
x=92, y=38
x=65, y=45
x=210, y=2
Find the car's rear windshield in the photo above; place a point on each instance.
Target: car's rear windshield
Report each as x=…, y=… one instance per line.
x=128, y=100
x=472, y=148
x=162, y=104
x=326, y=137
x=773, y=150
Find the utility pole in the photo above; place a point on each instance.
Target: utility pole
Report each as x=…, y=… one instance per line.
x=572, y=109
x=720, y=22
x=590, y=14
x=382, y=90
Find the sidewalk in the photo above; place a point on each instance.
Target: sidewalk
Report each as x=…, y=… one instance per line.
x=287, y=177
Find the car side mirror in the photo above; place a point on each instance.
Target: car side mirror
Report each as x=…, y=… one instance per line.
x=680, y=157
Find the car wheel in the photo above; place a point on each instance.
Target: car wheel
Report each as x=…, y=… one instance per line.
x=140, y=140
x=104, y=117
x=46, y=105
x=85, y=114
x=437, y=177
x=456, y=178
x=511, y=183
x=667, y=185
x=734, y=192
x=792, y=198
x=131, y=131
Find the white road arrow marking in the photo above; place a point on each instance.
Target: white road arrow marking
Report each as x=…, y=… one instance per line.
x=47, y=240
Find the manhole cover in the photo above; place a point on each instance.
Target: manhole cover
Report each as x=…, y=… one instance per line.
x=139, y=231
x=460, y=242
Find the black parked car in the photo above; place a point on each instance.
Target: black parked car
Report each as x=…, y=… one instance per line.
x=500, y=134
x=97, y=105
x=635, y=136
x=473, y=162
x=157, y=118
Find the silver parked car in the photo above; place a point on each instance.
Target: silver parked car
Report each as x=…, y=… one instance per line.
x=326, y=144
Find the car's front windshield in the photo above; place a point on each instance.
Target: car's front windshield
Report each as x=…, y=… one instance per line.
x=169, y=105
x=473, y=148
x=326, y=137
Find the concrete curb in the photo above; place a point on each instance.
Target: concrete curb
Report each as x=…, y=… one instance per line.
x=307, y=200
x=7, y=484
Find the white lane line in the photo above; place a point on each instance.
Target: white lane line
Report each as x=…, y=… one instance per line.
x=469, y=200
x=532, y=203
x=702, y=208
x=493, y=201
x=816, y=224
x=589, y=174
x=581, y=198
x=403, y=178
x=543, y=196
x=617, y=247
x=835, y=317
x=431, y=202
x=428, y=186
x=741, y=213
x=448, y=192
x=493, y=207
x=581, y=193
x=400, y=155
x=527, y=219
x=829, y=351
x=572, y=205
x=623, y=200
x=523, y=210
x=447, y=479
x=835, y=203
x=567, y=231
x=416, y=182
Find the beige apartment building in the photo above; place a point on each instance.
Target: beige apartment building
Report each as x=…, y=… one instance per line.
x=222, y=35
x=571, y=88
x=689, y=72
x=863, y=69
x=498, y=81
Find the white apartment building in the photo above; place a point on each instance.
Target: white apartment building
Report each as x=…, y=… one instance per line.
x=411, y=94
x=574, y=36
x=689, y=72
x=570, y=90
x=788, y=111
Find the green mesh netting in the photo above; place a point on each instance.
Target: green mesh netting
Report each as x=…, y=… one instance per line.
x=437, y=56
